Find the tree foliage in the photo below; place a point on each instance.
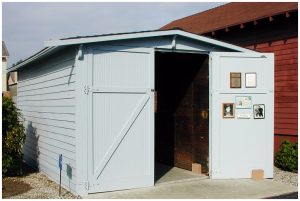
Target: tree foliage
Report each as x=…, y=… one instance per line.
x=287, y=157
x=13, y=138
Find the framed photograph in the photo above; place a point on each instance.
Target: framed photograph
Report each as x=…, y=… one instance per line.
x=250, y=80
x=228, y=110
x=235, y=80
x=259, y=111
x=243, y=102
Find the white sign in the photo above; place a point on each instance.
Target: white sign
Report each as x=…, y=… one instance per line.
x=243, y=102
x=250, y=80
x=243, y=116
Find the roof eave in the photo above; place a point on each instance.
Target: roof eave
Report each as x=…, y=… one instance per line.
x=106, y=38
x=32, y=59
x=53, y=45
x=246, y=21
x=143, y=35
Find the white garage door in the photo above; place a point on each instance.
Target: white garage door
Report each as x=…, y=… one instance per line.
x=242, y=143
x=121, y=119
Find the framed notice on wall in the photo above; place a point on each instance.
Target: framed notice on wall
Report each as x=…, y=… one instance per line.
x=259, y=111
x=235, y=80
x=228, y=110
x=250, y=80
x=243, y=102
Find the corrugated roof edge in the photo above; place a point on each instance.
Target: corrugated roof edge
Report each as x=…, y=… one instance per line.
x=54, y=44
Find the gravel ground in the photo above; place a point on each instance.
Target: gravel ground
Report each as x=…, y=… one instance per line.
x=285, y=177
x=33, y=185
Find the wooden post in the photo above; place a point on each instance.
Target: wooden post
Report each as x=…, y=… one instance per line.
x=196, y=168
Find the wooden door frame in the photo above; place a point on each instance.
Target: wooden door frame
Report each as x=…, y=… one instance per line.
x=207, y=53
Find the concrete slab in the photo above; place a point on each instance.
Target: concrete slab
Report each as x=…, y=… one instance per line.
x=168, y=174
x=205, y=188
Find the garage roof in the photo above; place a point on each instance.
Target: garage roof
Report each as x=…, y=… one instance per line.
x=54, y=45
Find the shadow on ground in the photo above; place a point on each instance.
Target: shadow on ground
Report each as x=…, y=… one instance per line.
x=293, y=195
x=11, y=187
x=161, y=170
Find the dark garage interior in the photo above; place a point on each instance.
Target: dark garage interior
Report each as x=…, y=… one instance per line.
x=181, y=111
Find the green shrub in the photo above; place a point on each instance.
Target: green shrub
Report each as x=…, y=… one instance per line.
x=287, y=157
x=13, y=138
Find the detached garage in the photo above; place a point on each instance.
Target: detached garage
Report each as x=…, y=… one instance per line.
x=117, y=105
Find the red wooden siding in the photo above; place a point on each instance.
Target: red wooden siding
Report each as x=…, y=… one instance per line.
x=286, y=87
x=279, y=36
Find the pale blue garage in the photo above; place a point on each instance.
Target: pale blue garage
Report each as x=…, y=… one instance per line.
x=92, y=100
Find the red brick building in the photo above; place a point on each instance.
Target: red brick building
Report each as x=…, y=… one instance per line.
x=264, y=27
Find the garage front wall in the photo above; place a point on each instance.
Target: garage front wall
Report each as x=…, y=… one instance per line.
x=56, y=95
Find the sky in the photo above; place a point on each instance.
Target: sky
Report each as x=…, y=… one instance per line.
x=25, y=26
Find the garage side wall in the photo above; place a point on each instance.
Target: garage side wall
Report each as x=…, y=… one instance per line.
x=46, y=98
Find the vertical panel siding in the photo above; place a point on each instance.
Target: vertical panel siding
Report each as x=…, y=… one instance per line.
x=46, y=98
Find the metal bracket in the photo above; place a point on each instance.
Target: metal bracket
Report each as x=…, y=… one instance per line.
x=86, y=185
x=174, y=42
x=86, y=89
x=80, y=53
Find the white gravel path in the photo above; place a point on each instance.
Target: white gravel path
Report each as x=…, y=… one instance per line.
x=35, y=186
x=289, y=178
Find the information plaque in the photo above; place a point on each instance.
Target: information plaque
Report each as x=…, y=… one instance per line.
x=250, y=80
x=235, y=80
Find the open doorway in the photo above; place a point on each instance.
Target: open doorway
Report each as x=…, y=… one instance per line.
x=181, y=113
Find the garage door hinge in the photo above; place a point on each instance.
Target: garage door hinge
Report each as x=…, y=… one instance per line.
x=87, y=185
x=86, y=89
